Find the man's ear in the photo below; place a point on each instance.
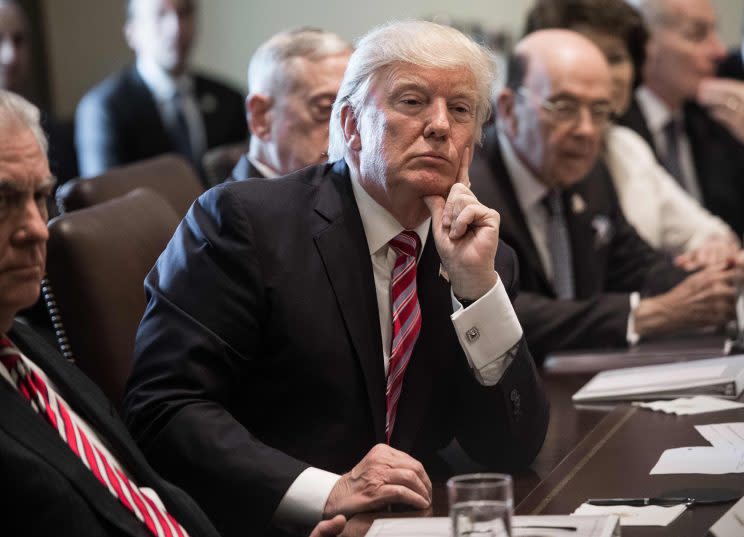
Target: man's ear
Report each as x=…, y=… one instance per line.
x=506, y=111
x=130, y=34
x=350, y=127
x=258, y=110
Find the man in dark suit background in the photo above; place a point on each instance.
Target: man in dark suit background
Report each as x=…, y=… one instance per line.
x=157, y=105
x=681, y=110
x=54, y=469
x=582, y=266
x=296, y=356
x=293, y=79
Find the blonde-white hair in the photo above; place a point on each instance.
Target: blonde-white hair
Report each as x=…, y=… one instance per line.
x=420, y=43
x=15, y=111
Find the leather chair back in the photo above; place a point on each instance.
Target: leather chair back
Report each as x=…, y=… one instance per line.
x=97, y=260
x=170, y=175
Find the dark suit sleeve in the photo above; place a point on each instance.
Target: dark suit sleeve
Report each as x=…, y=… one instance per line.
x=633, y=265
x=96, y=135
x=516, y=408
x=199, y=338
x=600, y=320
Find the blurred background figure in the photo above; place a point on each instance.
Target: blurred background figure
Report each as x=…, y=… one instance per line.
x=16, y=75
x=699, y=151
x=293, y=79
x=663, y=213
x=157, y=105
x=15, y=49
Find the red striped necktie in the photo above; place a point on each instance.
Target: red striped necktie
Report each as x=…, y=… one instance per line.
x=406, y=319
x=56, y=412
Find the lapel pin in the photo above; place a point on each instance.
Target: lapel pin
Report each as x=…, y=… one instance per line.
x=208, y=103
x=578, y=205
x=443, y=273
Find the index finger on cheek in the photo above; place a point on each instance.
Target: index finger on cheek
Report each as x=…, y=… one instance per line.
x=462, y=176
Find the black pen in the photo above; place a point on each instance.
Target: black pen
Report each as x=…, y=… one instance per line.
x=638, y=501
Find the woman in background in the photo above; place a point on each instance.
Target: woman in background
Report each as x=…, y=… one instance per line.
x=661, y=211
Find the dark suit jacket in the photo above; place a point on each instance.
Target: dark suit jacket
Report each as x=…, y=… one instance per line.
x=243, y=170
x=733, y=65
x=610, y=260
x=719, y=160
x=259, y=353
x=117, y=122
x=48, y=490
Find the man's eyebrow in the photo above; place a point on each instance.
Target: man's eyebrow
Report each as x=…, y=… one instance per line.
x=10, y=185
x=48, y=182
x=571, y=97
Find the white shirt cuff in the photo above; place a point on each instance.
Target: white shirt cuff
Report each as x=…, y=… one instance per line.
x=631, y=336
x=488, y=331
x=302, y=506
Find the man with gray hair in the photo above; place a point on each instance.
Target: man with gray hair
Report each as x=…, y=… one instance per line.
x=293, y=79
x=310, y=342
x=682, y=111
x=69, y=457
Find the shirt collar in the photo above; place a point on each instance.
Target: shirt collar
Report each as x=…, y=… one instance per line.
x=379, y=225
x=267, y=171
x=529, y=190
x=655, y=111
x=163, y=86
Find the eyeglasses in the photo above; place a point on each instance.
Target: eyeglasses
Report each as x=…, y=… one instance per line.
x=565, y=110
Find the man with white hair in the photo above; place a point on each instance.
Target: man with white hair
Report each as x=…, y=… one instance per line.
x=682, y=111
x=293, y=79
x=74, y=468
x=311, y=341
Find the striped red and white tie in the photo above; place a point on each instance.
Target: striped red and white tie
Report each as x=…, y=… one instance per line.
x=406, y=319
x=56, y=412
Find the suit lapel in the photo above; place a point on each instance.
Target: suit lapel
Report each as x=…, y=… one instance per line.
x=513, y=227
x=634, y=119
x=343, y=248
x=581, y=235
x=151, y=129
x=20, y=421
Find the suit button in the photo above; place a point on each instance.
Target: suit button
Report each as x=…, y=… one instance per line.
x=516, y=401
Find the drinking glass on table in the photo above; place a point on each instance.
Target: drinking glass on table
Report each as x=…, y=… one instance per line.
x=480, y=505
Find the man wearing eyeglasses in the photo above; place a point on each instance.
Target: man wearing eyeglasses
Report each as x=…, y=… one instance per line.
x=583, y=268
x=683, y=112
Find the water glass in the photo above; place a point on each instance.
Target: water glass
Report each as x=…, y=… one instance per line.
x=480, y=505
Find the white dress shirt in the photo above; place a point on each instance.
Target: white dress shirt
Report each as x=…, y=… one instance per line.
x=663, y=213
x=267, y=171
x=530, y=192
x=657, y=115
x=488, y=356
x=164, y=88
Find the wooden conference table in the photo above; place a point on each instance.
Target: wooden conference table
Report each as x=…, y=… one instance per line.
x=616, y=446
x=607, y=450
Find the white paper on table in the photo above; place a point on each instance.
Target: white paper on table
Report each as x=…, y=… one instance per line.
x=723, y=435
x=586, y=526
x=648, y=515
x=700, y=460
x=684, y=406
x=411, y=527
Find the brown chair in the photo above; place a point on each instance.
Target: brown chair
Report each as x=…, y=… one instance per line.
x=170, y=175
x=96, y=262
